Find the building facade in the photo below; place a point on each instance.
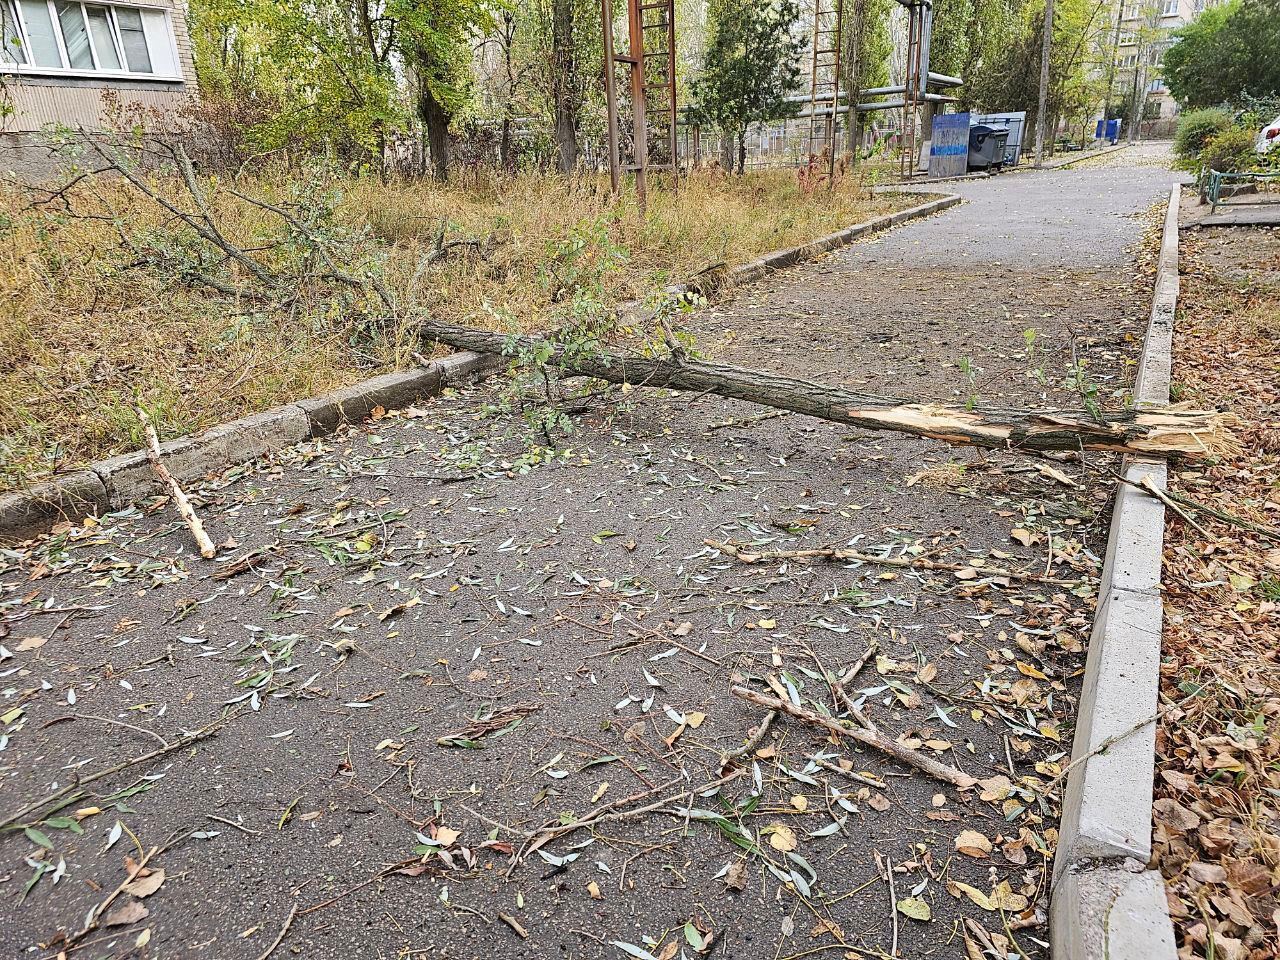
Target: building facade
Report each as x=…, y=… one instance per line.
x=1144, y=33
x=64, y=63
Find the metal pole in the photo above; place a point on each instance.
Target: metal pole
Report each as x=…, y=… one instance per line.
x=835, y=96
x=1045, y=48
x=635, y=26
x=610, y=95
x=671, y=93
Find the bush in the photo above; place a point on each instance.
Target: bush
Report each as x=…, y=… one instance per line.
x=1195, y=130
x=1230, y=150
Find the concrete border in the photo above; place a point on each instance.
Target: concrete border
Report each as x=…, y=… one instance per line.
x=1079, y=157
x=117, y=481
x=1105, y=903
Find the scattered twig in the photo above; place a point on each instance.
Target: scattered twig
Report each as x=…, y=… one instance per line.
x=619, y=811
x=867, y=737
x=855, y=777
x=77, y=783
x=1149, y=485
x=231, y=823
x=384, y=872
x=753, y=741
x=831, y=553
x=115, y=723
x=893, y=906
x=515, y=925
x=188, y=513
x=1225, y=516
x=288, y=922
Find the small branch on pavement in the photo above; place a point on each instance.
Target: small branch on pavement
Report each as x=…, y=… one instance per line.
x=188, y=513
x=869, y=738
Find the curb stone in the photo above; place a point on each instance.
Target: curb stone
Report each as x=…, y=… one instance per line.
x=1082, y=155
x=117, y=481
x=1104, y=904
x=1112, y=910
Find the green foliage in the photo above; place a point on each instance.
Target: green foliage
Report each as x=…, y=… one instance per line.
x=295, y=75
x=1226, y=52
x=752, y=66
x=1232, y=150
x=328, y=77
x=1003, y=69
x=1195, y=129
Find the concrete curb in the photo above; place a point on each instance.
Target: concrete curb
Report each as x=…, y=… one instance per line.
x=1083, y=155
x=117, y=481
x=780, y=259
x=1105, y=903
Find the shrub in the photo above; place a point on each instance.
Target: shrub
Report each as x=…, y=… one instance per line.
x=1230, y=150
x=1195, y=130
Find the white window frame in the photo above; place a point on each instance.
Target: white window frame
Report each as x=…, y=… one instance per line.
x=31, y=69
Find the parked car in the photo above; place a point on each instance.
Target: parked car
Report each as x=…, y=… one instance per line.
x=1269, y=138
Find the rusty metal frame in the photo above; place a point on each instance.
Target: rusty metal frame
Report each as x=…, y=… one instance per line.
x=824, y=81
x=648, y=22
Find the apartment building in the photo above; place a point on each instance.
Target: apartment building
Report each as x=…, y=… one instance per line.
x=1145, y=33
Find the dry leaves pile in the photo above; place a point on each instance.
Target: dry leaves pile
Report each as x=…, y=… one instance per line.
x=1217, y=812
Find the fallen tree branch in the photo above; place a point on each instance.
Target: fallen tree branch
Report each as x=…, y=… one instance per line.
x=869, y=738
x=188, y=513
x=77, y=783
x=1160, y=431
x=920, y=563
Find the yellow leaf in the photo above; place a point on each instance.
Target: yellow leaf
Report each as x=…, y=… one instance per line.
x=1029, y=671
x=973, y=893
x=800, y=802
x=781, y=837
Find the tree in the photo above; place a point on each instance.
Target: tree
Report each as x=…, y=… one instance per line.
x=564, y=48
x=1226, y=52
x=433, y=41
x=753, y=65
x=311, y=75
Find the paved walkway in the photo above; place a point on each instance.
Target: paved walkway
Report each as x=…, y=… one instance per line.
x=437, y=637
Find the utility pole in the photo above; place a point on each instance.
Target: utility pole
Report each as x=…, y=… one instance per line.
x=1043, y=107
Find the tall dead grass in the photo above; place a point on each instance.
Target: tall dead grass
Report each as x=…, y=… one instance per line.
x=100, y=309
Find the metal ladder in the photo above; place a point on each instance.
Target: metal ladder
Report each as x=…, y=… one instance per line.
x=824, y=81
x=651, y=62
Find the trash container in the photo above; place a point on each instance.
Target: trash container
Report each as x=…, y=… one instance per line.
x=986, y=147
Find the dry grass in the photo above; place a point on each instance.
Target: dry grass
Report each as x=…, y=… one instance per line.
x=86, y=329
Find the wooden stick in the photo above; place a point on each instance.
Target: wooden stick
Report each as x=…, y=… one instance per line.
x=288, y=922
x=919, y=563
x=207, y=549
x=867, y=737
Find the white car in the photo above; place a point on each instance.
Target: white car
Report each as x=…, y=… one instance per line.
x=1269, y=138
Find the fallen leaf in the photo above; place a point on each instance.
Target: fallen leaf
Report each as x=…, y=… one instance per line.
x=125, y=914
x=915, y=908
x=781, y=837
x=145, y=886
x=973, y=844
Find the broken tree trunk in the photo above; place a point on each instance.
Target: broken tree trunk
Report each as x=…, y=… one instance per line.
x=1154, y=431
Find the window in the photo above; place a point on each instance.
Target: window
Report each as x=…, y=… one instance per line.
x=1171, y=7
x=71, y=36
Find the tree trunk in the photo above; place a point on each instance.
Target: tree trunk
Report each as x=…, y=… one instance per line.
x=436, y=119
x=564, y=84
x=742, y=151
x=566, y=138
x=1150, y=431
x=504, y=145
